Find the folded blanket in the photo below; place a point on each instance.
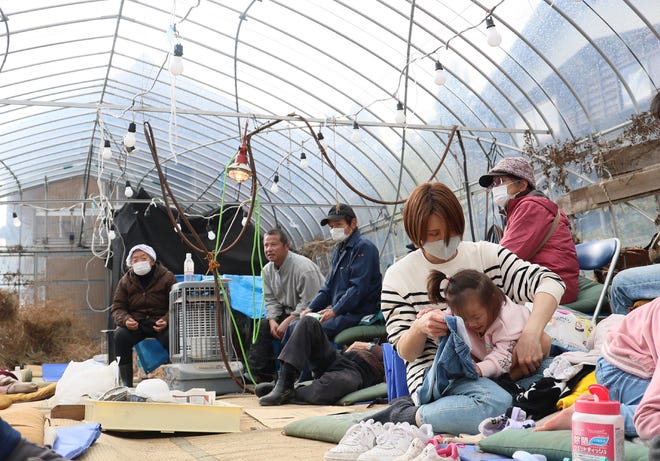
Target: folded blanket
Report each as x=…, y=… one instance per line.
x=41, y=394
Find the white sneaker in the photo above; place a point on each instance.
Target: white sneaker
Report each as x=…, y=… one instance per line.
x=395, y=441
x=413, y=451
x=358, y=438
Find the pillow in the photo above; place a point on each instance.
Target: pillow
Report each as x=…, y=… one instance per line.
x=555, y=445
x=329, y=428
x=29, y=421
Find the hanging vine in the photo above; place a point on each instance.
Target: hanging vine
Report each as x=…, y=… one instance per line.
x=587, y=155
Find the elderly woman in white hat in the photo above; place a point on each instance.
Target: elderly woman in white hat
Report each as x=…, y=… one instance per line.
x=140, y=306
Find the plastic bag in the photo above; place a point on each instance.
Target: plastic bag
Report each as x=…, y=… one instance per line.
x=88, y=378
x=570, y=330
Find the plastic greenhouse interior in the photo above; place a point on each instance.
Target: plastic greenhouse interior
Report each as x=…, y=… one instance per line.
x=121, y=122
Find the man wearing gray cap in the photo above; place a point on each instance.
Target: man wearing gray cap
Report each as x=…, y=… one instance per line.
x=536, y=230
x=352, y=290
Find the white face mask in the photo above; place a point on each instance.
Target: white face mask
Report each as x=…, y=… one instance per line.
x=440, y=250
x=500, y=195
x=141, y=267
x=338, y=234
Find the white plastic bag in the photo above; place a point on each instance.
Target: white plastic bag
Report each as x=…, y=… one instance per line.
x=85, y=378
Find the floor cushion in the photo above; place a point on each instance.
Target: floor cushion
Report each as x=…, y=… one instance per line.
x=329, y=428
x=555, y=445
x=366, y=333
x=588, y=294
x=27, y=420
x=368, y=394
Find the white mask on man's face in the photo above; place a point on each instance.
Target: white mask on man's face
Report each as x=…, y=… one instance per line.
x=338, y=234
x=501, y=195
x=141, y=267
x=440, y=250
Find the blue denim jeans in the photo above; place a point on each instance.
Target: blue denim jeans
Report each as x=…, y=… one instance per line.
x=465, y=403
x=624, y=387
x=452, y=360
x=633, y=284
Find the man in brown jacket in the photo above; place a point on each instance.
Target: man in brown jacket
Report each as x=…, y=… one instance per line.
x=140, y=308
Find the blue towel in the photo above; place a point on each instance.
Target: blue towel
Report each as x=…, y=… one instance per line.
x=452, y=360
x=73, y=441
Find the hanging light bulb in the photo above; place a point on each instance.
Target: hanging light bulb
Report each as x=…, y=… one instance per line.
x=275, y=188
x=321, y=139
x=176, y=60
x=400, y=116
x=128, y=192
x=129, y=138
x=111, y=233
x=244, y=220
x=355, y=136
x=106, y=153
x=440, y=75
x=16, y=220
x=239, y=171
x=303, y=161
x=493, y=37
x=211, y=234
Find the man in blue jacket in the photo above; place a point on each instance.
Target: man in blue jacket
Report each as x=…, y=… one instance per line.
x=352, y=290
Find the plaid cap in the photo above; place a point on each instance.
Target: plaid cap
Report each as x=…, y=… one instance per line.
x=511, y=166
x=337, y=212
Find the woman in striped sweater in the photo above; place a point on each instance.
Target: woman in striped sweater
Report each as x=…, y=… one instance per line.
x=434, y=221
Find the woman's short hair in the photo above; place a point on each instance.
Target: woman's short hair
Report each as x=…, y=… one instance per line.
x=428, y=199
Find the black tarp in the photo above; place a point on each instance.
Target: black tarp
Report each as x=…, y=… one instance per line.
x=133, y=227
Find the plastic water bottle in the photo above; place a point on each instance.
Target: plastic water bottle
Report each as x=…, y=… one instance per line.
x=597, y=428
x=188, y=268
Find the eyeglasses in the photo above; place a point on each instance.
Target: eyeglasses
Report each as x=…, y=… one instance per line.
x=501, y=180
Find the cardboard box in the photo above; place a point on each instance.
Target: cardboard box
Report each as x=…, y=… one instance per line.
x=164, y=417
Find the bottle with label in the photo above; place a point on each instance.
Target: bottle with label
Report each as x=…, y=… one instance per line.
x=597, y=428
x=188, y=268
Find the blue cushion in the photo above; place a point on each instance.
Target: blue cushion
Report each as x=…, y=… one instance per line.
x=395, y=373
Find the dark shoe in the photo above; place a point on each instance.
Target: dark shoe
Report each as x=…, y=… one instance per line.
x=283, y=390
x=126, y=374
x=401, y=410
x=262, y=389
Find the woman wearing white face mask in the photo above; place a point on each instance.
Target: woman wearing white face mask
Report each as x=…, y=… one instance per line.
x=434, y=221
x=536, y=230
x=140, y=306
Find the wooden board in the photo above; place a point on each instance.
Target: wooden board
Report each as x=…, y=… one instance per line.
x=625, y=187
